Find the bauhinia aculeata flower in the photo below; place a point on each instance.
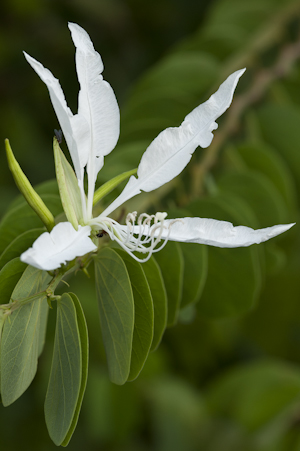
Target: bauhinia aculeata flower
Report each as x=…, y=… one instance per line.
x=91, y=134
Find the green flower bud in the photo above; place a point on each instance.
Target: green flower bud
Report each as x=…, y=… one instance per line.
x=27, y=190
x=68, y=186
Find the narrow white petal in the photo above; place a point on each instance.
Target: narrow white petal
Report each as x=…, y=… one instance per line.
x=216, y=233
x=172, y=149
x=62, y=244
x=97, y=101
x=220, y=233
x=75, y=129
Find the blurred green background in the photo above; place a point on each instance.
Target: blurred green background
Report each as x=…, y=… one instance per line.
x=214, y=383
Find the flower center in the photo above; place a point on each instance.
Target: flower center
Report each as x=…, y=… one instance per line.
x=140, y=234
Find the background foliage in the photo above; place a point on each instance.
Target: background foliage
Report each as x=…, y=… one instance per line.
x=227, y=376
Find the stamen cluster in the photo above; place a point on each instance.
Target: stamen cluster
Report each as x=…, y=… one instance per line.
x=141, y=234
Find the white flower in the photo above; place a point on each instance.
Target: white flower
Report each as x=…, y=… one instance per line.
x=93, y=132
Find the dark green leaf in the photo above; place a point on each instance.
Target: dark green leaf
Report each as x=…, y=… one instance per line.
x=143, y=314
x=195, y=265
x=116, y=305
x=268, y=161
x=48, y=187
x=280, y=128
x=22, y=218
x=43, y=326
x=20, y=342
x=257, y=395
x=171, y=263
x=195, y=272
x=84, y=340
x=20, y=244
x=9, y=277
x=262, y=196
x=234, y=275
x=66, y=373
x=159, y=297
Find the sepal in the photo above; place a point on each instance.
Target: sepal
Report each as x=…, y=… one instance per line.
x=68, y=186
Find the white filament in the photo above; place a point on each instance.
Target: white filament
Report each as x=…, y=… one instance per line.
x=142, y=234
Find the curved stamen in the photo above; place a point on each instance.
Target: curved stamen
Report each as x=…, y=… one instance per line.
x=138, y=235
x=142, y=234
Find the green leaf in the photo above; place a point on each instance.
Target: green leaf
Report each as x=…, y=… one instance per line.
x=68, y=186
x=160, y=301
x=84, y=340
x=9, y=277
x=262, y=196
x=195, y=264
x=280, y=128
x=66, y=374
x=122, y=159
x=22, y=218
x=266, y=160
x=171, y=263
x=167, y=93
x=195, y=272
x=258, y=395
x=116, y=305
x=48, y=187
x=20, y=342
x=20, y=244
x=234, y=275
x=143, y=318
x=43, y=326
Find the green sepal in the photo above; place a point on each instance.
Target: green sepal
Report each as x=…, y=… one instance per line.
x=27, y=190
x=68, y=186
x=107, y=187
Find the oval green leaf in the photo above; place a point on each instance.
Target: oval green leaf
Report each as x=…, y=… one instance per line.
x=66, y=369
x=234, y=275
x=20, y=344
x=20, y=244
x=171, y=263
x=195, y=272
x=9, y=277
x=143, y=318
x=22, y=218
x=160, y=301
x=266, y=160
x=116, y=306
x=84, y=340
x=259, y=193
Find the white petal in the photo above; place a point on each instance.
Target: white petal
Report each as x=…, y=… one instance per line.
x=215, y=233
x=75, y=129
x=97, y=101
x=172, y=149
x=62, y=244
x=220, y=233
